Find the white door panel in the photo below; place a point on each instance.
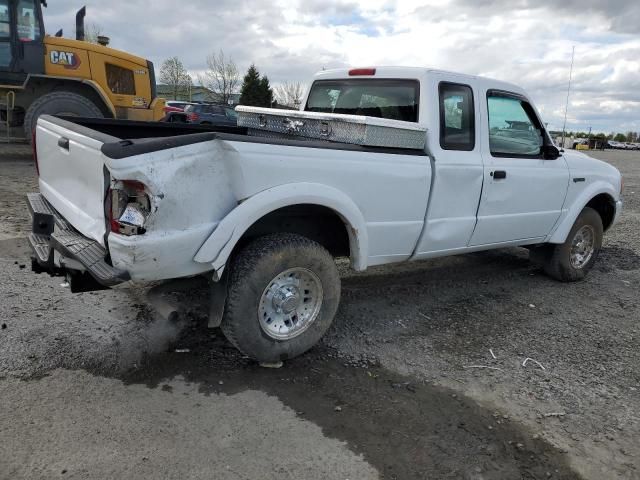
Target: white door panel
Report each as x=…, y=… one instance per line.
x=525, y=204
x=454, y=202
x=457, y=167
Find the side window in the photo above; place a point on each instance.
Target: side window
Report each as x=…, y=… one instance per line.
x=28, y=25
x=457, y=117
x=5, y=34
x=513, y=129
x=120, y=80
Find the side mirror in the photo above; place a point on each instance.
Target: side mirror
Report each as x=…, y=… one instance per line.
x=550, y=152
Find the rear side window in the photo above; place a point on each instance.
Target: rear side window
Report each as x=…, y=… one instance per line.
x=120, y=80
x=457, y=117
x=382, y=98
x=514, y=130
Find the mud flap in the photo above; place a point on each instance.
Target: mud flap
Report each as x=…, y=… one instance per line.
x=217, y=300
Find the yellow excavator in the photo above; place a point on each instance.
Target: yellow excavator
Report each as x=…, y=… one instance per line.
x=44, y=74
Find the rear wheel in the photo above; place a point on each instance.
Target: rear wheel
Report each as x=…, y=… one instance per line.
x=284, y=291
x=572, y=260
x=59, y=103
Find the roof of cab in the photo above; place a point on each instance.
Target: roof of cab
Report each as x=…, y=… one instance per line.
x=406, y=72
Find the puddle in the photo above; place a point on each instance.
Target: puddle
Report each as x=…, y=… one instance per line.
x=403, y=428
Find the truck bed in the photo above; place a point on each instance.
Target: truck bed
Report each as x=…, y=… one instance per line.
x=124, y=138
x=196, y=176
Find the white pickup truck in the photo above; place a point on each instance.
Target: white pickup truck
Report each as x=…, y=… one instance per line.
x=263, y=217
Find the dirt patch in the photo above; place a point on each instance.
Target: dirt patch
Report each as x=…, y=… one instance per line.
x=405, y=428
x=18, y=178
x=618, y=257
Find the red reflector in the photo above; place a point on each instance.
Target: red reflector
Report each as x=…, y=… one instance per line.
x=362, y=71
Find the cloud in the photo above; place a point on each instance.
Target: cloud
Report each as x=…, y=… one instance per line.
x=523, y=41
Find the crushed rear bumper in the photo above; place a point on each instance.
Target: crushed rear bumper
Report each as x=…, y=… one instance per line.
x=58, y=248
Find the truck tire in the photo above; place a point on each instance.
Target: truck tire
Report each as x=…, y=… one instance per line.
x=283, y=293
x=572, y=260
x=59, y=103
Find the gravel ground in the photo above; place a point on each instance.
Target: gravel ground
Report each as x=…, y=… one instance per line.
x=403, y=357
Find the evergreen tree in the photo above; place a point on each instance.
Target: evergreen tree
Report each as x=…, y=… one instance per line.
x=266, y=93
x=250, y=91
x=255, y=91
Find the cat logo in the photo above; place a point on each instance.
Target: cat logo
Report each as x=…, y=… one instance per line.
x=68, y=60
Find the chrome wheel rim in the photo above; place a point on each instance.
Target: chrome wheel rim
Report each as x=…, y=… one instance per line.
x=290, y=303
x=582, y=247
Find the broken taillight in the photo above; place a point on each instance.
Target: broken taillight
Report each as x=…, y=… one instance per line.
x=130, y=206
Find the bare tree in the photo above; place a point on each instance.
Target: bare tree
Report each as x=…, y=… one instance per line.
x=173, y=73
x=221, y=77
x=92, y=31
x=290, y=94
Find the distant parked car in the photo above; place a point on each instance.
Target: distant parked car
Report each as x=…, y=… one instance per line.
x=174, y=117
x=206, y=114
x=175, y=106
x=178, y=104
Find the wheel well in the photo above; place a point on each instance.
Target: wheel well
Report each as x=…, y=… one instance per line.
x=315, y=222
x=41, y=86
x=606, y=208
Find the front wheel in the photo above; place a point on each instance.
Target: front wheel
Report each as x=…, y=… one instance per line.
x=59, y=103
x=572, y=260
x=284, y=291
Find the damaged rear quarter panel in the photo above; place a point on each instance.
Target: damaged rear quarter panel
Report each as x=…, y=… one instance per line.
x=191, y=190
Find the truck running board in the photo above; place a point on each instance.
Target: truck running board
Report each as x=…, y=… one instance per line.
x=52, y=232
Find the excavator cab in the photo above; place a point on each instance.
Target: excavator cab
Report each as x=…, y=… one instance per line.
x=43, y=74
x=21, y=40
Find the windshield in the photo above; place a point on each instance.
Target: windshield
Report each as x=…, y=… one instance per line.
x=393, y=99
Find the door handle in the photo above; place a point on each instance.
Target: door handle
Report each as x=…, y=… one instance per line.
x=63, y=143
x=498, y=174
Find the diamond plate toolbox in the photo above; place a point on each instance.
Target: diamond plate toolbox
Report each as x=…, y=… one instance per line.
x=355, y=129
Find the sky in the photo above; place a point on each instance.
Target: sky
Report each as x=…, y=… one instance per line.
x=527, y=42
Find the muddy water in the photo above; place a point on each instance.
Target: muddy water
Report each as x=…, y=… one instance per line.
x=403, y=428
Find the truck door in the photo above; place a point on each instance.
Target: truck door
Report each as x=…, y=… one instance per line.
x=457, y=167
x=29, y=37
x=21, y=40
x=523, y=193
